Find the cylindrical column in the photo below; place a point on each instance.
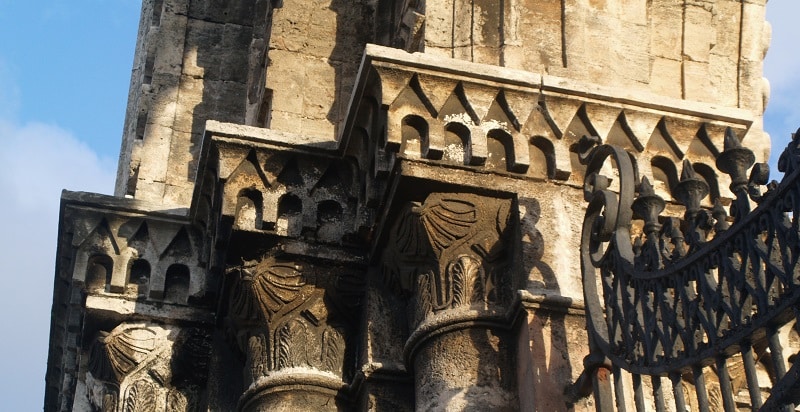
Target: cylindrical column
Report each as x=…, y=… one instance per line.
x=451, y=255
x=461, y=362
x=311, y=391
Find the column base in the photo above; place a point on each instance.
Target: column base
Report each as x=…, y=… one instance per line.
x=296, y=390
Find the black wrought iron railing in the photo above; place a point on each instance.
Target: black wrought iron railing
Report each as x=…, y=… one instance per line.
x=684, y=312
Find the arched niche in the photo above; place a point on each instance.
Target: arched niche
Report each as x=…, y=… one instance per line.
x=542, y=157
x=249, y=209
x=290, y=215
x=500, y=146
x=139, y=276
x=329, y=221
x=99, y=269
x=415, y=136
x=665, y=175
x=176, y=283
x=708, y=174
x=456, y=143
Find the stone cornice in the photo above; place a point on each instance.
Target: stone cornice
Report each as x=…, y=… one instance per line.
x=402, y=61
x=489, y=119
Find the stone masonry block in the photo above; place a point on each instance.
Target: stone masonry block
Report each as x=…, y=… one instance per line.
x=438, y=28
x=150, y=191
x=699, y=33
x=665, y=77
x=696, y=82
x=178, y=195
x=230, y=99
x=234, y=52
x=666, y=22
x=540, y=24
x=286, y=77
x=723, y=72
x=753, y=39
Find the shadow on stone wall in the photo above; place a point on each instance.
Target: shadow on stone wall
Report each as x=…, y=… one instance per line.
x=354, y=21
x=547, y=327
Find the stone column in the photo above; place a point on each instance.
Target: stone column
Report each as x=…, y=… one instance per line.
x=451, y=256
x=292, y=320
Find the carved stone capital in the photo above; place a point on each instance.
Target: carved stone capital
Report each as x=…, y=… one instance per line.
x=146, y=366
x=294, y=320
x=451, y=252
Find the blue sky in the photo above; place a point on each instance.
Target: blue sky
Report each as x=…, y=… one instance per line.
x=64, y=75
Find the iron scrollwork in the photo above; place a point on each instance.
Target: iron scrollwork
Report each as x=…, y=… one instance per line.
x=667, y=296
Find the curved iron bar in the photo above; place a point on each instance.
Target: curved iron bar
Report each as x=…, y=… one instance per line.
x=690, y=290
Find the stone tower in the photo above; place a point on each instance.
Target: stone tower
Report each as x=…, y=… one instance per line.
x=375, y=204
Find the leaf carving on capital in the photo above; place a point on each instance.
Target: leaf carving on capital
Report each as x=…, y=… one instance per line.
x=265, y=288
x=422, y=299
x=115, y=354
x=177, y=401
x=109, y=402
x=293, y=344
x=451, y=251
x=140, y=366
x=468, y=281
x=332, y=353
x=140, y=397
x=286, y=313
x=447, y=220
x=258, y=356
x=300, y=344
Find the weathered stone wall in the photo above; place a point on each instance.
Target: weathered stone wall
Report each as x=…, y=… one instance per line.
x=289, y=67
x=191, y=64
x=414, y=246
x=314, y=52
x=704, y=50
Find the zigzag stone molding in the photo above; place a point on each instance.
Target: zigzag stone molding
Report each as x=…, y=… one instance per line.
x=460, y=114
x=136, y=254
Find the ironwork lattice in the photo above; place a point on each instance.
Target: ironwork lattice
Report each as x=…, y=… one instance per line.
x=692, y=301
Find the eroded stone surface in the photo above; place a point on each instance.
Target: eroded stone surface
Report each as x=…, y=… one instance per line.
x=322, y=223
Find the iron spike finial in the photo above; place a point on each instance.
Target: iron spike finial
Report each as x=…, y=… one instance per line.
x=731, y=141
x=648, y=205
x=687, y=171
x=735, y=160
x=720, y=215
x=690, y=190
x=788, y=158
x=645, y=188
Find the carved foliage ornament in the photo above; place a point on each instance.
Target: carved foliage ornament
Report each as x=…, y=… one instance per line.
x=156, y=367
x=264, y=288
x=115, y=354
x=451, y=251
x=288, y=314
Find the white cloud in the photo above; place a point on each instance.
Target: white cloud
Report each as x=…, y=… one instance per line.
x=36, y=162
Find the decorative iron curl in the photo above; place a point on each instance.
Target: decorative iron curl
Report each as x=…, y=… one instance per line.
x=607, y=221
x=663, y=309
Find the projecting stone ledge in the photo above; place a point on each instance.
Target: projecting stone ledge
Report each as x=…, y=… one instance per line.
x=259, y=135
x=455, y=113
x=380, y=56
